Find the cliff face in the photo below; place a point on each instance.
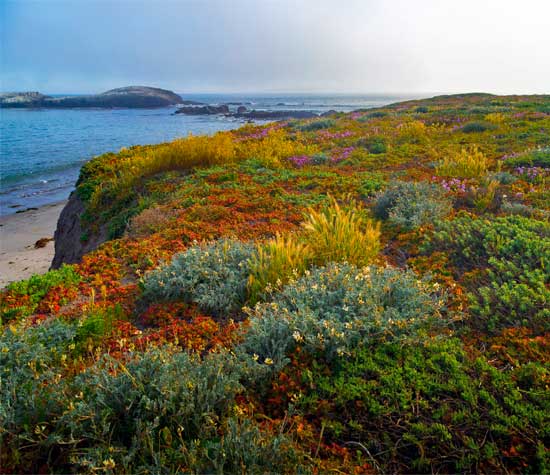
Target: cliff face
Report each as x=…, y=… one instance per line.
x=127, y=97
x=69, y=247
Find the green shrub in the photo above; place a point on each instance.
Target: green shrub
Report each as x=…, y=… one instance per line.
x=165, y=411
x=424, y=407
x=477, y=127
x=533, y=158
x=317, y=124
x=96, y=324
x=162, y=411
x=377, y=114
x=335, y=309
x=521, y=209
x=319, y=159
x=504, y=178
x=412, y=204
x=377, y=148
x=375, y=145
x=484, y=197
x=511, y=259
x=214, y=276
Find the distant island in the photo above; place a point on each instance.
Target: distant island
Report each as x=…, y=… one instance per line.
x=127, y=97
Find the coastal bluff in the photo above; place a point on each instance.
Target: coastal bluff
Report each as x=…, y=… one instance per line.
x=133, y=97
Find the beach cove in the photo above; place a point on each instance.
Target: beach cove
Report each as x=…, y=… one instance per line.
x=20, y=257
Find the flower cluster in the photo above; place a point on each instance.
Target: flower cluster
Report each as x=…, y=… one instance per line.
x=508, y=156
x=455, y=185
x=325, y=134
x=531, y=173
x=300, y=160
x=341, y=154
x=262, y=133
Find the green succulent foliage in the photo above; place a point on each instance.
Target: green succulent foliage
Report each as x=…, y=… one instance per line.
x=214, y=276
x=370, y=185
x=412, y=204
x=97, y=323
x=511, y=259
x=425, y=407
x=334, y=310
x=36, y=288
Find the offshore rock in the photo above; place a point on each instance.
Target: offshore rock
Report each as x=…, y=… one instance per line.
x=204, y=110
x=124, y=97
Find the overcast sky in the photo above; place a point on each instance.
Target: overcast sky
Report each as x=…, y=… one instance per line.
x=355, y=46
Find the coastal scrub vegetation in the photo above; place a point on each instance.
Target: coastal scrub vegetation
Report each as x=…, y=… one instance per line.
x=361, y=293
x=412, y=204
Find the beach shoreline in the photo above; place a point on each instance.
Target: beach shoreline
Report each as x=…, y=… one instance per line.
x=19, y=233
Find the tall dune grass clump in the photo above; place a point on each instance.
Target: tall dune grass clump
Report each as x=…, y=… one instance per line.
x=468, y=163
x=275, y=262
x=334, y=233
x=341, y=233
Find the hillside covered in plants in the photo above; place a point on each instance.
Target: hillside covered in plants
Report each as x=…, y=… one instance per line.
x=361, y=293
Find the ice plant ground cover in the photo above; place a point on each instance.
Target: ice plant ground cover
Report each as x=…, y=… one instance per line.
x=365, y=293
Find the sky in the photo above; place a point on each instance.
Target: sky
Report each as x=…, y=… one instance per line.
x=315, y=46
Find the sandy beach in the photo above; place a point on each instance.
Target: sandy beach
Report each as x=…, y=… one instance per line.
x=19, y=258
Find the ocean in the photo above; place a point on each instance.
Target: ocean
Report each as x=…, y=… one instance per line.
x=42, y=150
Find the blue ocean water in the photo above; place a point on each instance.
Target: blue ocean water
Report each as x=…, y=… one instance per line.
x=42, y=150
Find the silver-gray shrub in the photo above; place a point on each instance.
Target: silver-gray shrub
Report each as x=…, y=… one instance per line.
x=214, y=276
x=412, y=204
x=31, y=390
x=151, y=412
x=166, y=409
x=508, y=207
x=333, y=310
